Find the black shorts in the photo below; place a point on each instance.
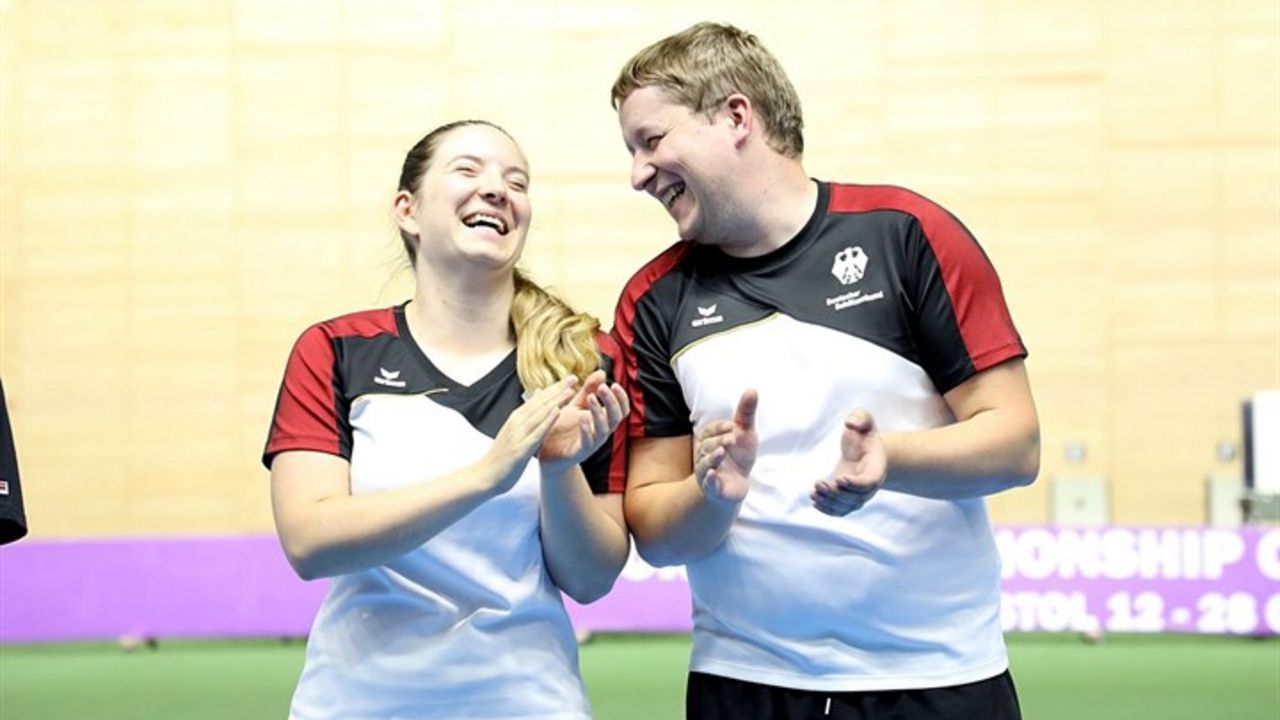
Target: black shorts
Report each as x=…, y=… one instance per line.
x=711, y=697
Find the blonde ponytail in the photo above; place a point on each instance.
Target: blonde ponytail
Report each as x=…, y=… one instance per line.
x=552, y=340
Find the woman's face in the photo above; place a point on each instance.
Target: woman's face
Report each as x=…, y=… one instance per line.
x=472, y=205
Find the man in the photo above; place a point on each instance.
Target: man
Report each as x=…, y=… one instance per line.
x=837, y=543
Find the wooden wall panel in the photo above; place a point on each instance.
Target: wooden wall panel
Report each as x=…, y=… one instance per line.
x=185, y=186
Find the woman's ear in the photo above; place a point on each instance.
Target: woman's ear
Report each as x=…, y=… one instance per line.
x=402, y=207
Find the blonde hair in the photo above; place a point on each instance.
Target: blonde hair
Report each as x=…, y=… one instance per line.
x=552, y=340
x=702, y=66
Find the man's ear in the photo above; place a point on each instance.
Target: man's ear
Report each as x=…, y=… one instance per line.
x=402, y=208
x=740, y=114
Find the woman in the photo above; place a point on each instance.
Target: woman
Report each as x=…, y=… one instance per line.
x=402, y=465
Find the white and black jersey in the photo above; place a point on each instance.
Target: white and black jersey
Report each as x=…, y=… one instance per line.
x=469, y=624
x=13, y=517
x=882, y=301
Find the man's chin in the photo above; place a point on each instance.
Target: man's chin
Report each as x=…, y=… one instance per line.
x=687, y=234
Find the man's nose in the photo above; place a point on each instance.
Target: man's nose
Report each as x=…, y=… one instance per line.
x=642, y=171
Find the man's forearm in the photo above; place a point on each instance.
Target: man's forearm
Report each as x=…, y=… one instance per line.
x=675, y=523
x=988, y=453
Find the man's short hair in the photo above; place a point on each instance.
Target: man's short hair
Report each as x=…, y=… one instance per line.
x=702, y=66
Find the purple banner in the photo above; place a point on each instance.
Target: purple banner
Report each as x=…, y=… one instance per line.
x=1125, y=579
x=1199, y=580
x=54, y=591
x=644, y=599
x=191, y=587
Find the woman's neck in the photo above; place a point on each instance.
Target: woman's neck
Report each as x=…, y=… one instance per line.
x=463, y=316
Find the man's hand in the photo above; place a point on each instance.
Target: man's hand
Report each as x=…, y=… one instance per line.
x=725, y=451
x=860, y=472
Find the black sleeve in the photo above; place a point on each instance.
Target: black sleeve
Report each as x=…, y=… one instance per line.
x=962, y=324
x=658, y=401
x=606, y=469
x=13, y=521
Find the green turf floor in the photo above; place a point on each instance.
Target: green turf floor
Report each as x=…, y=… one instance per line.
x=633, y=677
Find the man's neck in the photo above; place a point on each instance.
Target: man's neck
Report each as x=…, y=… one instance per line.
x=778, y=208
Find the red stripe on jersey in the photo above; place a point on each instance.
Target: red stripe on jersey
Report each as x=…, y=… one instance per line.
x=624, y=327
x=369, y=323
x=976, y=297
x=306, y=416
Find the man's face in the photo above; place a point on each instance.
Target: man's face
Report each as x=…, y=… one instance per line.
x=680, y=158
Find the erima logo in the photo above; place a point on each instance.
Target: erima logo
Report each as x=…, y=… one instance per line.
x=850, y=265
x=707, y=316
x=388, y=378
